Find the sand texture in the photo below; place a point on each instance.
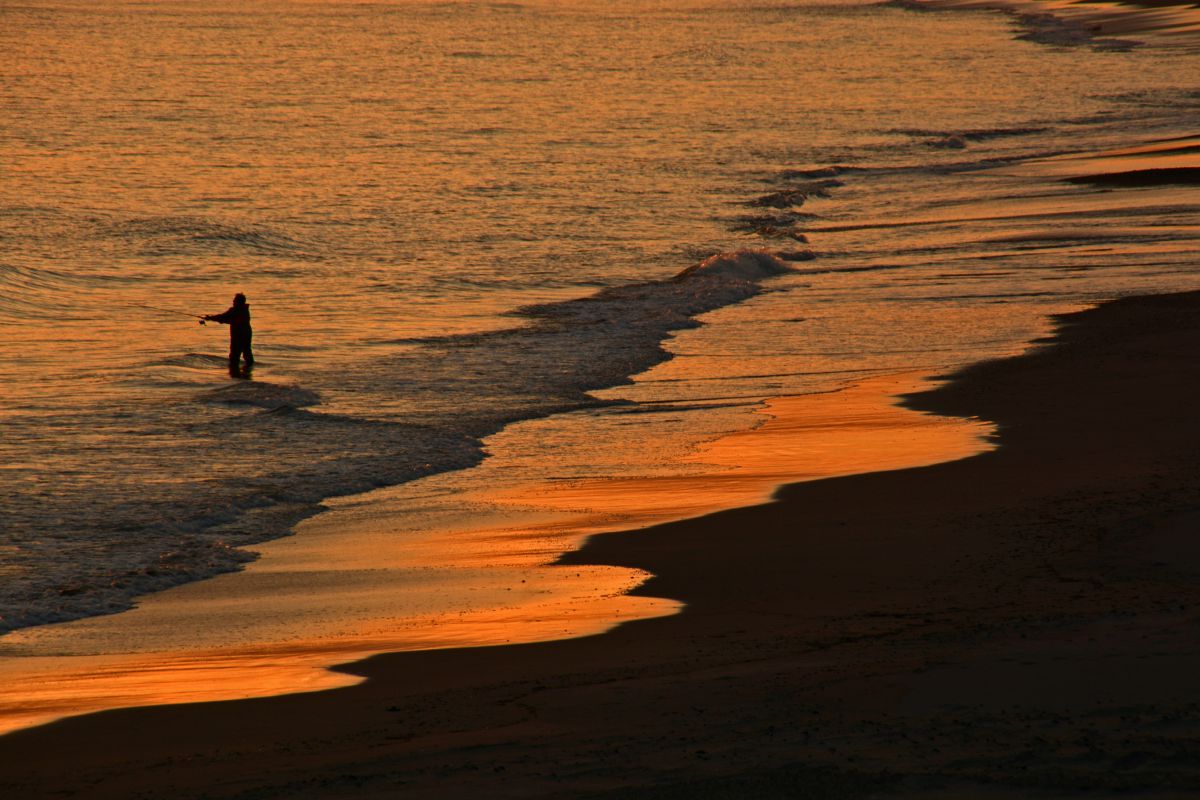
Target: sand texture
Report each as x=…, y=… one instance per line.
x=438, y=564
x=1021, y=623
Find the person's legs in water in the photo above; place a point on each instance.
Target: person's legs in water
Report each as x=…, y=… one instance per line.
x=239, y=348
x=236, y=350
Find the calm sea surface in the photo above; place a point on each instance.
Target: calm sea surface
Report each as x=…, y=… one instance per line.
x=450, y=216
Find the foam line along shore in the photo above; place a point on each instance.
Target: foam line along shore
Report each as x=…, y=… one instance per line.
x=431, y=267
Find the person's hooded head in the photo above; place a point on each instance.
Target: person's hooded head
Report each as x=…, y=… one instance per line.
x=239, y=299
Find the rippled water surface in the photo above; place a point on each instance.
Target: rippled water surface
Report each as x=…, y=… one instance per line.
x=449, y=216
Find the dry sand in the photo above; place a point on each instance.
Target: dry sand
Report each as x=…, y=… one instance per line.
x=1022, y=623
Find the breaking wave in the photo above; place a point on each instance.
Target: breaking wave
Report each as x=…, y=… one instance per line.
x=133, y=536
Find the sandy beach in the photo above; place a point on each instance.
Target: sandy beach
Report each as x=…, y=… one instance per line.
x=1020, y=623
x=452, y=561
x=647, y=400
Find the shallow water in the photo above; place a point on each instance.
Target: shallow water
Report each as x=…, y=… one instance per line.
x=461, y=559
x=392, y=183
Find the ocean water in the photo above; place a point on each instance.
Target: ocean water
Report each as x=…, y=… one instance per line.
x=449, y=216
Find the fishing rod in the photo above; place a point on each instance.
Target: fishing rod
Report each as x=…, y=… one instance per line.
x=169, y=311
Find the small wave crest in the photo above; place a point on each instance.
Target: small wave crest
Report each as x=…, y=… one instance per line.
x=174, y=235
x=249, y=477
x=204, y=361
x=33, y=293
x=794, y=196
x=743, y=265
x=272, y=396
x=816, y=173
x=772, y=226
x=960, y=140
x=795, y=187
x=106, y=235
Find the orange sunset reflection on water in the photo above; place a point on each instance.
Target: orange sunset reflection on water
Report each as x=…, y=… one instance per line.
x=391, y=185
x=483, y=576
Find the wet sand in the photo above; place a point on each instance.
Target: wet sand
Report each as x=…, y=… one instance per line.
x=1021, y=623
x=1182, y=176
x=449, y=562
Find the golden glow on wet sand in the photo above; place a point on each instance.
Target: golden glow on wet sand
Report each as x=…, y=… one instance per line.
x=351, y=584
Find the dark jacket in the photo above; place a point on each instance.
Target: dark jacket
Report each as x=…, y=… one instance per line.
x=238, y=320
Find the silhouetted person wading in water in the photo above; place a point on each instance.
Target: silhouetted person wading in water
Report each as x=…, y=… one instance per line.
x=240, y=333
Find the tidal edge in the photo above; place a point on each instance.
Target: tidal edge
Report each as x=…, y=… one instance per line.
x=1021, y=623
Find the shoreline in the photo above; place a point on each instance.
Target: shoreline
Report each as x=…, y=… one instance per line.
x=394, y=570
x=1015, y=624
x=1098, y=23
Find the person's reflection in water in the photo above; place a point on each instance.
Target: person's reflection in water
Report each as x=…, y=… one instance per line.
x=240, y=335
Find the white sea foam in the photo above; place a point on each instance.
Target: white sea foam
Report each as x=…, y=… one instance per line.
x=125, y=472
x=132, y=537
x=746, y=265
